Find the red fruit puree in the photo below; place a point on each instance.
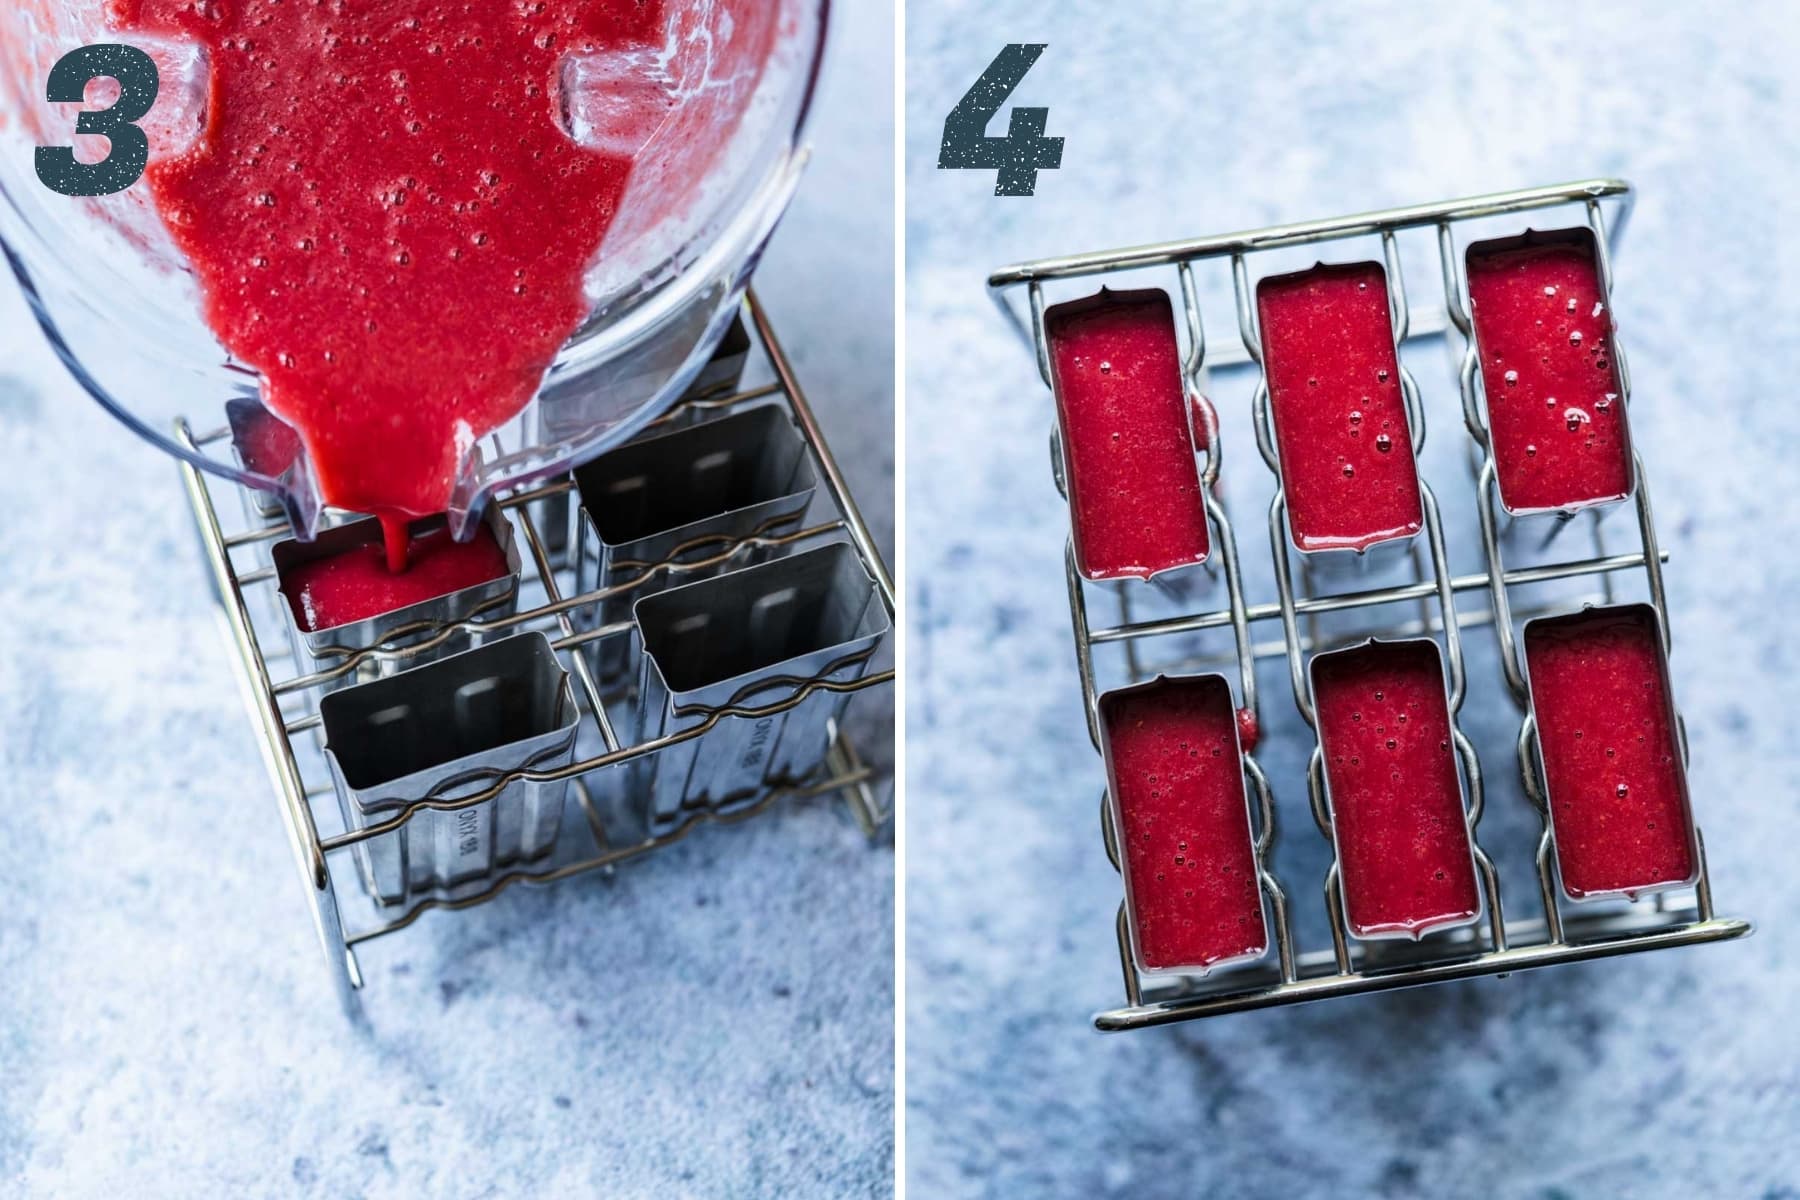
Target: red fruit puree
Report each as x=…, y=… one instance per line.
x=1340, y=417
x=356, y=584
x=389, y=222
x=1396, y=802
x=1184, y=825
x=1249, y=732
x=1612, y=765
x=1545, y=337
x=1133, y=484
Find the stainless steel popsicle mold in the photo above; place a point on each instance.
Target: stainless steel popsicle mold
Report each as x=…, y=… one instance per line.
x=445, y=728
x=1136, y=647
x=604, y=823
x=324, y=648
x=746, y=638
x=1519, y=528
x=1336, y=568
x=1531, y=755
x=720, y=376
x=718, y=380
x=1112, y=820
x=678, y=496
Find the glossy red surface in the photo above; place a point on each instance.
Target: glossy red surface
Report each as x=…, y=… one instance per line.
x=386, y=217
x=1545, y=338
x=1396, y=802
x=1175, y=773
x=1249, y=732
x=359, y=583
x=1134, y=487
x=1339, y=412
x=1612, y=764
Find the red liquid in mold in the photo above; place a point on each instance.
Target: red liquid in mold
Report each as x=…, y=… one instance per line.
x=358, y=583
x=1184, y=824
x=389, y=222
x=1612, y=762
x=1396, y=801
x=1340, y=416
x=1553, y=396
x=1134, y=487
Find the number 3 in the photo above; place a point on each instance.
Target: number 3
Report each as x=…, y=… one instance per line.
x=130, y=148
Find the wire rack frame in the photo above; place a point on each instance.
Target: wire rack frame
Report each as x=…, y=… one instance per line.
x=1498, y=946
x=284, y=710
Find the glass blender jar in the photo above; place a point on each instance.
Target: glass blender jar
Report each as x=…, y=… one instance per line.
x=123, y=311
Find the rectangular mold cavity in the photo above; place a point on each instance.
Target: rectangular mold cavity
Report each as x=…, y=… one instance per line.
x=317, y=648
x=725, y=368
x=1555, y=411
x=695, y=487
x=1181, y=815
x=748, y=638
x=1405, y=859
x=1128, y=444
x=449, y=729
x=720, y=376
x=1609, y=754
x=1338, y=408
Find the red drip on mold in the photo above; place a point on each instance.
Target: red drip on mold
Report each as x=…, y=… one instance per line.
x=1249, y=733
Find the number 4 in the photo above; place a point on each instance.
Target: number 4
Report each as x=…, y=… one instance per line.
x=1024, y=151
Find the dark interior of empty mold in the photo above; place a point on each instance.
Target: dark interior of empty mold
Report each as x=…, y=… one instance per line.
x=661, y=483
x=725, y=627
x=505, y=692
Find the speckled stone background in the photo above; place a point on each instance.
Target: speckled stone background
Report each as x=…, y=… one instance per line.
x=716, y=1021
x=1673, y=1074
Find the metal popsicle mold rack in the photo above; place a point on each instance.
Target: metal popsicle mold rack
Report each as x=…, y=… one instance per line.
x=1505, y=939
x=604, y=826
